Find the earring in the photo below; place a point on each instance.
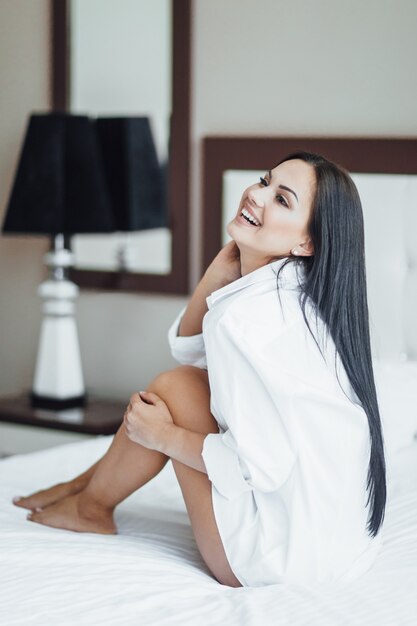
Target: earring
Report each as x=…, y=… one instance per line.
x=295, y=252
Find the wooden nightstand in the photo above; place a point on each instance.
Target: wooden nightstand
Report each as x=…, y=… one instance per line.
x=25, y=429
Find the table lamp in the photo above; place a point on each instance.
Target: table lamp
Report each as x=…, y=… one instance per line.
x=60, y=189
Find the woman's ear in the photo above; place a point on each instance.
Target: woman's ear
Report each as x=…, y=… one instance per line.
x=307, y=248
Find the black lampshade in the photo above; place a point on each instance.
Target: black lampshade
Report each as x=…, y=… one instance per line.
x=60, y=186
x=136, y=182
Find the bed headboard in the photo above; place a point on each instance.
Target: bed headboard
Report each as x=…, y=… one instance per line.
x=385, y=171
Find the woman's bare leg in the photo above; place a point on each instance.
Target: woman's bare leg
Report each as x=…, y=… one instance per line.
x=124, y=468
x=186, y=392
x=127, y=465
x=46, y=497
x=120, y=448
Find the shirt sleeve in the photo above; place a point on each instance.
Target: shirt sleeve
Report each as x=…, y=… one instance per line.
x=257, y=451
x=186, y=350
x=232, y=474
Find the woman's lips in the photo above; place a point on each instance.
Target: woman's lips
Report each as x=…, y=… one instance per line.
x=242, y=220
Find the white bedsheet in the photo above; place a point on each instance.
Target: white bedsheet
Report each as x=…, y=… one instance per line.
x=151, y=572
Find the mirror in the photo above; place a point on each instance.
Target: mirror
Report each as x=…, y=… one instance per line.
x=118, y=80
x=131, y=59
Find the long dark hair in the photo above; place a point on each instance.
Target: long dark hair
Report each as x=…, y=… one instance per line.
x=335, y=281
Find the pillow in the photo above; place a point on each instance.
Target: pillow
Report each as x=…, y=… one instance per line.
x=396, y=387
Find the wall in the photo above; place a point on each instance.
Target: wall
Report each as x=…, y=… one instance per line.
x=24, y=86
x=300, y=67
x=259, y=67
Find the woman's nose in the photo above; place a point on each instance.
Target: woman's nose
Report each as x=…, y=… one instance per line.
x=256, y=197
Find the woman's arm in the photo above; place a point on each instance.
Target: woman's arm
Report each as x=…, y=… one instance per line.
x=224, y=269
x=185, y=446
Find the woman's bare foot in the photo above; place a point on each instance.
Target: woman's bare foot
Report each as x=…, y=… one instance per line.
x=46, y=497
x=76, y=513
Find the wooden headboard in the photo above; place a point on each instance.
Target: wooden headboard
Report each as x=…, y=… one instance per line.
x=392, y=230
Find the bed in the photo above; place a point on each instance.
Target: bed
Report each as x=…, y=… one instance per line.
x=151, y=572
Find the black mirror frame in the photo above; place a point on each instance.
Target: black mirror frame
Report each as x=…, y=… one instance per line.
x=177, y=282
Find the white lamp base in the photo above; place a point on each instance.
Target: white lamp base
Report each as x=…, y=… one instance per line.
x=58, y=381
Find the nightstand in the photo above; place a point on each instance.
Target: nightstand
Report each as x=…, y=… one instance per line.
x=25, y=429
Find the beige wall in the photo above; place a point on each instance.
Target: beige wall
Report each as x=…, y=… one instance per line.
x=301, y=66
x=259, y=67
x=24, y=86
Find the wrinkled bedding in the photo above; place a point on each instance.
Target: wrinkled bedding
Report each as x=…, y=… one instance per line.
x=152, y=573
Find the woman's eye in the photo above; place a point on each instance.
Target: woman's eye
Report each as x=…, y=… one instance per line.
x=282, y=199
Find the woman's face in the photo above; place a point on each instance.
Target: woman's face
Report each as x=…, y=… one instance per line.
x=281, y=205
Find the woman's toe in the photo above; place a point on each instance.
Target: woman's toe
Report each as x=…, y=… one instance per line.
x=34, y=516
x=25, y=503
x=19, y=501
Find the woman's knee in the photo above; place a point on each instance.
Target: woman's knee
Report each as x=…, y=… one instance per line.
x=186, y=391
x=167, y=381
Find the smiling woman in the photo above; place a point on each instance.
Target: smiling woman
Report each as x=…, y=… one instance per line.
x=278, y=446
x=273, y=216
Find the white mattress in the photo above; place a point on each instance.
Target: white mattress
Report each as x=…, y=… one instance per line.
x=151, y=572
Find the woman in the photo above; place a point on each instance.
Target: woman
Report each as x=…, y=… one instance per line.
x=272, y=421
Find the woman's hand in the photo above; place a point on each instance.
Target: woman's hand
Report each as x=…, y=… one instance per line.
x=225, y=267
x=147, y=420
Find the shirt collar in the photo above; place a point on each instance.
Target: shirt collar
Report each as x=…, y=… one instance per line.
x=290, y=277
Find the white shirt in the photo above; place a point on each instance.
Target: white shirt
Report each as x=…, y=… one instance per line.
x=289, y=464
